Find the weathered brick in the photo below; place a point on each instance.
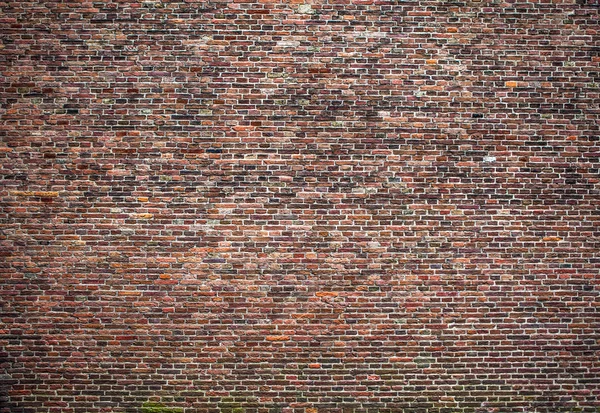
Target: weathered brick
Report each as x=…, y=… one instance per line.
x=40, y=194
x=307, y=206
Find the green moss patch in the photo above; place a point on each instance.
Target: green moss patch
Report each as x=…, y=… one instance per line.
x=154, y=407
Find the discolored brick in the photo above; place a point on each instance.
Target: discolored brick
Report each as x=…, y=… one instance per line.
x=311, y=206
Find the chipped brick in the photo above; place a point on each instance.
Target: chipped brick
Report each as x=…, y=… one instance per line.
x=299, y=206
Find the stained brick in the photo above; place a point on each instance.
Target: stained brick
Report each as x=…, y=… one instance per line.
x=308, y=206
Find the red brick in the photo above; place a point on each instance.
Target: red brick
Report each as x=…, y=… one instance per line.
x=309, y=206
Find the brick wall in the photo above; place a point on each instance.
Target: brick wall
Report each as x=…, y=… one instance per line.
x=306, y=206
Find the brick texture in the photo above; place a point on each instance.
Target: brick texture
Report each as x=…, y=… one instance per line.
x=308, y=206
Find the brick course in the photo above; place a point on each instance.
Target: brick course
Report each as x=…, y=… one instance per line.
x=306, y=206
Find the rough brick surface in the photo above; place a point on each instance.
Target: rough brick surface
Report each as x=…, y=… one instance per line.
x=306, y=206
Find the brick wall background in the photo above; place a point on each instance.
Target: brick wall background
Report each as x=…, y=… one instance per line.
x=305, y=206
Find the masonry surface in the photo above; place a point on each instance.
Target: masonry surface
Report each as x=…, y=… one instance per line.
x=326, y=206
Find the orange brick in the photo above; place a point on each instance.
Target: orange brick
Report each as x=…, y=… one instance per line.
x=278, y=338
x=326, y=294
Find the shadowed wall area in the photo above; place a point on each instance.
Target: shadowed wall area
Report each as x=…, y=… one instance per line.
x=299, y=207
